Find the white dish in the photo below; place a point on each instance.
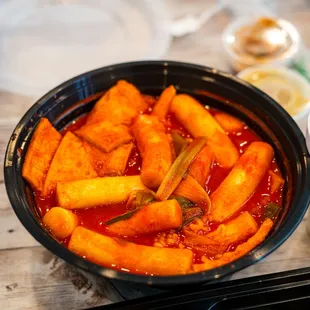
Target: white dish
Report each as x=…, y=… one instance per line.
x=289, y=75
x=44, y=42
x=242, y=61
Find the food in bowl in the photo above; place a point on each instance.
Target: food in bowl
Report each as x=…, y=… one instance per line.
x=285, y=86
x=157, y=186
x=261, y=40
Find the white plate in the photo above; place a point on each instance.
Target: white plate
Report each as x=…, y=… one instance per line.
x=294, y=77
x=44, y=42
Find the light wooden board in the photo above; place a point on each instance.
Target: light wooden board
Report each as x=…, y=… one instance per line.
x=12, y=233
x=33, y=278
x=12, y=107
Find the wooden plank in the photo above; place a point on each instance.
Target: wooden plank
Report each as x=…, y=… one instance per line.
x=33, y=278
x=13, y=107
x=6, y=128
x=12, y=232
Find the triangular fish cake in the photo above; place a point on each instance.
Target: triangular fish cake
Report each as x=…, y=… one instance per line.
x=120, y=105
x=109, y=164
x=116, y=110
x=69, y=163
x=41, y=150
x=131, y=92
x=104, y=135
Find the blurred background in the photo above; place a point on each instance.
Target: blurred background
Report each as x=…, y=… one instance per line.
x=44, y=42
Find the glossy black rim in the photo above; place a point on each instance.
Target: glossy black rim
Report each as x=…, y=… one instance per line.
x=14, y=189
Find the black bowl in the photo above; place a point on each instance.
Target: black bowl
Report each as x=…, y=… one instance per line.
x=221, y=90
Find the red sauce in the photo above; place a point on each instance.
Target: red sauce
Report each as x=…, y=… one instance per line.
x=94, y=218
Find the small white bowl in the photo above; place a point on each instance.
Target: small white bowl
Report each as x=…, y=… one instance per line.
x=287, y=74
x=240, y=62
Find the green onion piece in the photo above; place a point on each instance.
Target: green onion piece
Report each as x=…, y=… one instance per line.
x=192, y=213
x=183, y=202
x=271, y=210
x=301, y=67
x=136, y=199
x=122, y=217
x=179, y=142
x=179, y=168
x=140, y=197
x=189, y=216
x=190, y=189
x=145, y=197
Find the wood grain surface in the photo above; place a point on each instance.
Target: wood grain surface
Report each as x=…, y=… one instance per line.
x=33, y=278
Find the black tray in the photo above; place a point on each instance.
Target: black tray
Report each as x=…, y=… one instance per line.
x=280, y=291
x=211, y=87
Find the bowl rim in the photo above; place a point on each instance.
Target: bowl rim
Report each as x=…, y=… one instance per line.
x=42, y=236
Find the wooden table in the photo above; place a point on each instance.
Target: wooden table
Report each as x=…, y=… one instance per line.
x=33, y=278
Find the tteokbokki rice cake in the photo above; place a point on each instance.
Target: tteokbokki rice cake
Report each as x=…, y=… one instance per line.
x=157, y=186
